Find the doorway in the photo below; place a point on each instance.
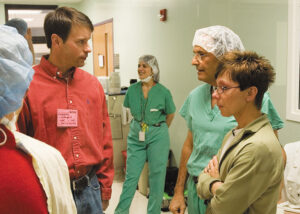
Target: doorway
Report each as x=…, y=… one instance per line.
x=103, y=50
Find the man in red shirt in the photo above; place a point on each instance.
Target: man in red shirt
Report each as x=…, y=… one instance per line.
x=66, y=108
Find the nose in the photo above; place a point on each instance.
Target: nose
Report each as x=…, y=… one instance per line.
x=215, y=94
x=88, y=48
x=195, y=61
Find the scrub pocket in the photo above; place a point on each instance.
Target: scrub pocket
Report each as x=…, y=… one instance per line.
x=154, y=114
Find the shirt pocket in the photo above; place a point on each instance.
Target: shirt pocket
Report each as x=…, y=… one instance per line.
x=155, y=114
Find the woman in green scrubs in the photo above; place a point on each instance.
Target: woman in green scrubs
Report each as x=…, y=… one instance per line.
x=153, y=109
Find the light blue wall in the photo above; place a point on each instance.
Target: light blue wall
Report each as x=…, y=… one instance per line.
x=261, y=24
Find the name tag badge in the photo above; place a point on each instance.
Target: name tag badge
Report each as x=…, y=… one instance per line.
x=141, y=136
x=153, y=110
x=67, y=118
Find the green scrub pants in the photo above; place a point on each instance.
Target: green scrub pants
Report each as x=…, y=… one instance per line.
x=155, y=149
x=195, y=204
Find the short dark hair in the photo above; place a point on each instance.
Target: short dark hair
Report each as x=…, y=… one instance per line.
x=248, y=69
x=61, y=20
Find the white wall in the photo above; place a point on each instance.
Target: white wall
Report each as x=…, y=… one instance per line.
x=2, y=14
x=138, y=31
x=261, y=24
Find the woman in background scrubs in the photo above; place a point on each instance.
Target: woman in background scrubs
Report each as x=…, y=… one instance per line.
x=152, y=108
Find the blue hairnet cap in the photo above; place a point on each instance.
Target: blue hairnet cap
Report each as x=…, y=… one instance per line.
x=15, y=69
x=19, y=24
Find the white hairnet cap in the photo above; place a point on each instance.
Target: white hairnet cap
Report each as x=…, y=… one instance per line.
x=15, y=69
x=218, y=40
x=152, y=62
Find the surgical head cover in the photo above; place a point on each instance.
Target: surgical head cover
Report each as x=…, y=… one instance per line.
x=152, y=62
x=15, y=69
x=218, y=40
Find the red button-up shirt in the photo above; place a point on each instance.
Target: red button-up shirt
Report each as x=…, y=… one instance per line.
x=88, y=144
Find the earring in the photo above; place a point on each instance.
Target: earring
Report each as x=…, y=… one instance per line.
x=5, y=137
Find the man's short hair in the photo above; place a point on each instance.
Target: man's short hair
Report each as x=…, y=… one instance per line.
x=248, y=69
x=61, y=21
x=19, y=24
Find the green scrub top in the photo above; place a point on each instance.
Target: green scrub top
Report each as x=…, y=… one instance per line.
x=152, y=110
x=209, y=127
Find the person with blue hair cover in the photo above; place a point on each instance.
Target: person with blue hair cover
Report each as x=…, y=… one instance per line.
x=26, y=164
x=15, y=67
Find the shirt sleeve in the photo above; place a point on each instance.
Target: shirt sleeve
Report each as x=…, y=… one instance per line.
x=269, y=109
x=185, y=113
x=126, y=100
x=106, y=171
x=204, y=184
x=246, y=181
x=170, y=106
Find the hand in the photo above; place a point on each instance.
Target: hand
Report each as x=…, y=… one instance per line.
x=213, y=168
x=28, y=35
x=177, y=205
x=215, y=186
x=105, y=204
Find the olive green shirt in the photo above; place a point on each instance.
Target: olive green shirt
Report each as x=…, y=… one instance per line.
x=251, y=171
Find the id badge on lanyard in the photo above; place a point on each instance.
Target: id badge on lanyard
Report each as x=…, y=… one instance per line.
x=144, y=126
x=67, y=118
x=142, y=133
x=141, y=136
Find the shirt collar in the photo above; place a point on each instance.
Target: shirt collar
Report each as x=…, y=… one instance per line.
x=257, y=124
x=251, y=128
x=54, y=71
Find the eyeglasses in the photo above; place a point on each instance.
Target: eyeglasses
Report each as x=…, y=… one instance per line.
x=200, y=56
x=221, y=89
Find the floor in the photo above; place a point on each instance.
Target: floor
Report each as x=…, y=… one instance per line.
x=139, y=203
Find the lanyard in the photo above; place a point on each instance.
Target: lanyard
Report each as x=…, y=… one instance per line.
x=143, y=125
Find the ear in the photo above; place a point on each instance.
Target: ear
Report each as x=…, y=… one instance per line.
x=56, y=40
x=251, y=94
x=152, y=71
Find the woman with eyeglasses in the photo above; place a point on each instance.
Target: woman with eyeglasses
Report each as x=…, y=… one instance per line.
x=248, y=168
x=206, y=126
